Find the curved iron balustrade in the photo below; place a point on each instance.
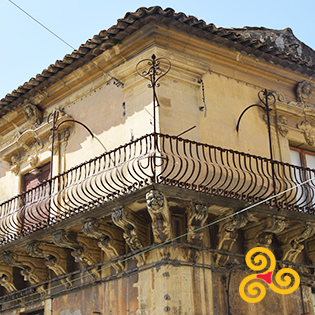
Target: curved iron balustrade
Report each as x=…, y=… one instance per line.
x=170, y=161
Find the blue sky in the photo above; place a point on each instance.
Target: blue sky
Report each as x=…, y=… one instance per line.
x=27, y=48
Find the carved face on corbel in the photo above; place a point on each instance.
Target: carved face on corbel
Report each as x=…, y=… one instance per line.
x=33, y=160
x=33, y=114
x=309, y=131
x=15, y=165
x=282, y=123
x=304, y=91
x=155, y=200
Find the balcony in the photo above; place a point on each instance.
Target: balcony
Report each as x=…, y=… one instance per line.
x=157, y=159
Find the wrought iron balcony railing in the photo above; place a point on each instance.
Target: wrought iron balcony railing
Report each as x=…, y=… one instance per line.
x=156, y=158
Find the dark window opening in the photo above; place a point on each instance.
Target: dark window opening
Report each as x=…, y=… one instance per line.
x=33, y=179
x=36, y=199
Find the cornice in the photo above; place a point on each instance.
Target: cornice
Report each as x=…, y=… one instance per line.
x=107, y=42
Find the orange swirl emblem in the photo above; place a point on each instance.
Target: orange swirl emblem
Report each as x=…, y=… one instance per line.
x=256, y=290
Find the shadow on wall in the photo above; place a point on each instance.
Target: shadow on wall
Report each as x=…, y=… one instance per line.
x=100, y=110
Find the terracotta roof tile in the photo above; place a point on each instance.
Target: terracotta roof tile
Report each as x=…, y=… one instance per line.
x=246, y=40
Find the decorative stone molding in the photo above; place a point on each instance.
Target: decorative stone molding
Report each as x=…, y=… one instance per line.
x=107, y=245
x=261, y=234
x=33, y=114
x=56, y=144
x=293, y=239
x=160, y=216
x=27, y=145
x=161, y=221
x=309, y=131
x=126, y=220
x=80, y=253
x=15, y=165
x=197, y=216
x=55, y=259
x=282, y=124
x=6, y=278
x=279, y=96
x=304, y=91
x=33, y=160
x=32, y=271
x=228, y=234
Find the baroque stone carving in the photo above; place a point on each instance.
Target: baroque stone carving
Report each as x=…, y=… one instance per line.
x=228, y=234
x=282, y=123
x=197, y=216
x=124, y=219
x=107, y=245
x=28, y=144
x=304, y=91
x=262, y=234
x=15, y=165
x=161, y=221
x=56, y=144
x=31, y=271
x=160, y=215
x=6, y=278
x=54, y=261
x=279, y=96
x=308, y=130
x=33, y=160
x=33, y=114
x=293, y=239
x=80, y=253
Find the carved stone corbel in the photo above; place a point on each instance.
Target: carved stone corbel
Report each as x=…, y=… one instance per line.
x=6, y=278
x=228, y=234
x=126, y=220
x=309, y=131
x=282, y=124
x=293, y=239
x=55, y=259
x=33, y=114
x=304, y=91
x=15, y=165
x=32, y=271
x=107, y=245
x=197, y=216
x=160, y=215
x=80, y=253
x=161, y=221
x=261, y=234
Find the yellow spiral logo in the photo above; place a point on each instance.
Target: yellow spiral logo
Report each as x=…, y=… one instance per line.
x=256, y=290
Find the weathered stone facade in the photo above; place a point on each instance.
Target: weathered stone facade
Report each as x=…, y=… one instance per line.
x=155, y=224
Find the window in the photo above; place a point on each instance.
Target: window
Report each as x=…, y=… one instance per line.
x=36, y=177
x=303, y=158
x=300, y=157
x=36, y=200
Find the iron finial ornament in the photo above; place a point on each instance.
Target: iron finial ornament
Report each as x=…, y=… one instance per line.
x=152, y=70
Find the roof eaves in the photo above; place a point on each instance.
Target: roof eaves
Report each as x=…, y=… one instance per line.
x=132, y=22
